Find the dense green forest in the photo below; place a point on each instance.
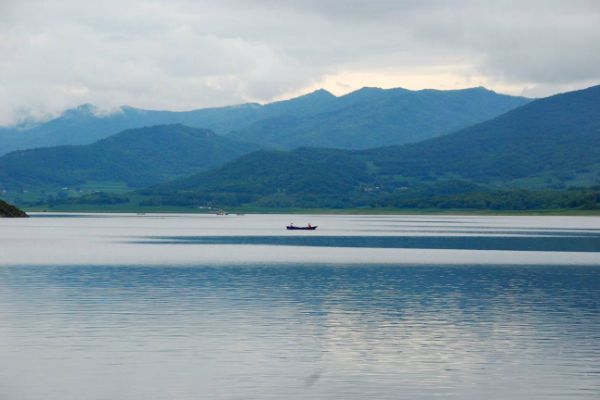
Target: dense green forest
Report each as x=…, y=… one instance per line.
x=442, y=195
x=136, y=157
x=452, y=196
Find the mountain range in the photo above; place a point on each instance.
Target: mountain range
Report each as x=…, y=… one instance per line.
x=365, y=118
x=550, y=143
x=543, y=153
x=373, y=117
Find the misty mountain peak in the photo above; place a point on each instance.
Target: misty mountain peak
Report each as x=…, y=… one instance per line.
x=86, y=110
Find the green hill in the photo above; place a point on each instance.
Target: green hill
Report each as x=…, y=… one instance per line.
x=548, y=144
x=136, y=157
x=556, y=138
x=273, y=178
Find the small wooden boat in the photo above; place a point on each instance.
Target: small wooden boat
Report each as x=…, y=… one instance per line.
x=301, y=228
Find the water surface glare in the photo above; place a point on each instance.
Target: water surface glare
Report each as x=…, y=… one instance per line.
x=235, y=307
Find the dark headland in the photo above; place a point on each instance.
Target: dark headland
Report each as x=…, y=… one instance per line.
x=10, y=211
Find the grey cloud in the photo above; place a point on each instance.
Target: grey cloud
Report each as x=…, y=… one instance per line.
x=183, y=54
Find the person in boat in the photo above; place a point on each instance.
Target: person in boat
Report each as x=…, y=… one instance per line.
x=292, y=224
x=309, y=225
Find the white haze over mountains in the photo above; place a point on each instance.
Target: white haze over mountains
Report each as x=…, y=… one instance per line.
x=184, y=54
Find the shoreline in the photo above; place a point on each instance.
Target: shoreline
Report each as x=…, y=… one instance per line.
x=316, y=211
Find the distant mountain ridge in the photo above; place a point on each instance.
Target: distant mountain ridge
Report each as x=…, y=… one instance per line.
x=365, y=118
x=373, y=117
x=82, y=125
x=549, y=143
x=136, y=157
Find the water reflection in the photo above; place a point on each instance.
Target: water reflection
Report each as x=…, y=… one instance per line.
x=299, y=331
x=72, y=239
x=198, y=306
x=563, y=242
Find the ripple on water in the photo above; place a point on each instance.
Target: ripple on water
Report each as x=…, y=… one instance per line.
x=270, y=331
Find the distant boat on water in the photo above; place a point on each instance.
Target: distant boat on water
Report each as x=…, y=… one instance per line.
x=309, y=227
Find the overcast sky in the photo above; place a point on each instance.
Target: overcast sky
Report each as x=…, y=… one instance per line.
x=186, y=54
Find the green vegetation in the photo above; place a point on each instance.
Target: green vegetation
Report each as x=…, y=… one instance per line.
x=421, y=197
x=505, y=200
x=556, y=138
x=50, y=196
x=136, y=158
x=138, y=203
x=541, y=156
x=302, y=178
x=480, y=167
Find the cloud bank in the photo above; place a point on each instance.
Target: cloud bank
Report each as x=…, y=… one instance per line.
x=184, y=54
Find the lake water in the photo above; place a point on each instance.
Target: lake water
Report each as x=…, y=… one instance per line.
x=236, y=307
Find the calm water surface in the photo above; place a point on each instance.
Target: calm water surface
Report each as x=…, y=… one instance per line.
x=235, y=307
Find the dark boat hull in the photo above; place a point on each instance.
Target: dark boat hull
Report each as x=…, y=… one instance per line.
x=301, y=228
